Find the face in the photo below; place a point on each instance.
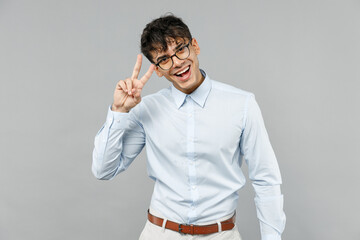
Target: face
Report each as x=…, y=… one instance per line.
x=184, y=74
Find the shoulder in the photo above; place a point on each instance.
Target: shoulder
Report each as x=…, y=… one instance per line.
x=161, y=95
x=229, y=91
x=150, y=103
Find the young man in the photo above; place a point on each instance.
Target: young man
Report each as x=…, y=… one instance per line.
x=197, y=133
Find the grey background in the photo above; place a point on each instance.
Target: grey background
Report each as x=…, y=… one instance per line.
x=60, y=61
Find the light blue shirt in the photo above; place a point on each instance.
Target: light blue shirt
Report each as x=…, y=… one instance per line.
x=195, y=147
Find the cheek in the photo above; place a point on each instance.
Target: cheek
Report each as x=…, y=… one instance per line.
x=169, y=78
x=196, y=62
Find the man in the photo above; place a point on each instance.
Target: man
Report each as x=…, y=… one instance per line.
x=197, y=133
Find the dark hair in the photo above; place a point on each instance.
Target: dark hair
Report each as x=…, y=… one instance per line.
x=160, y=32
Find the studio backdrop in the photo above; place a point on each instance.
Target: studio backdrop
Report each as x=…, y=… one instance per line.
x=60, y=62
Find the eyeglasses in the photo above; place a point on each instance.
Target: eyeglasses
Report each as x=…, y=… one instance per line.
x=167, y=62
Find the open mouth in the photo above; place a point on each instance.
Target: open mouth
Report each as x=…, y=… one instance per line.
x=184, y=74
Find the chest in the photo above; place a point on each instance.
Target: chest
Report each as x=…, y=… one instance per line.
x=193, y=128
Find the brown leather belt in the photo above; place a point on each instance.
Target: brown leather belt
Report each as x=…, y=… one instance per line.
x=193, y=229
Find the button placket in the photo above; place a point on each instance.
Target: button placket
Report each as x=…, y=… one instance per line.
x=191, y=158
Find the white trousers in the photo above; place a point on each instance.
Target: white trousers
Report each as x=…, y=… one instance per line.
x=154, y=232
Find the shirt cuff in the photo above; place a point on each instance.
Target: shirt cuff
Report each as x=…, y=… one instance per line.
x=271, y=237
x=117, y=120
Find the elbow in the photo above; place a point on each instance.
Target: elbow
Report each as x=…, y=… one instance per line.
x=100, y=170
x=100, y=174
x=106, y=168
x=101, y=177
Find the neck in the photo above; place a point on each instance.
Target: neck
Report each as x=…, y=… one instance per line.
x=199, y=80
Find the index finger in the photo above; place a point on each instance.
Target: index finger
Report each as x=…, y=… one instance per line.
x=148, y=74
x=137, y=67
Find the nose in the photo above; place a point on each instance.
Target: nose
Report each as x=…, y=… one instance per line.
x=177, y=62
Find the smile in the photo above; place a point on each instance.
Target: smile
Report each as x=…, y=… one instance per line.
x=183, y=75
x=182, y=72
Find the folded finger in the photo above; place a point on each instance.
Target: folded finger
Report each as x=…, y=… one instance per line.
x=122, y=85
x=123, y=100
x=129, y=86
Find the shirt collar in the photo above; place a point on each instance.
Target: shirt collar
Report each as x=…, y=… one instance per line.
x=199, y=95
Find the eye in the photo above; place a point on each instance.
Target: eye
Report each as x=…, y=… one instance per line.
x=181, y=49
x=164, y=61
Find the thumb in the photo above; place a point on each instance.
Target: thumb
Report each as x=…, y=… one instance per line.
x=137, y=95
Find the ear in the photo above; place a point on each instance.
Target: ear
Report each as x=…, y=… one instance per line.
x=158, y=72
x=195, y=44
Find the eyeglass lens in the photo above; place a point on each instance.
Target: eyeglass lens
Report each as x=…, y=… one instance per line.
x=181, y=54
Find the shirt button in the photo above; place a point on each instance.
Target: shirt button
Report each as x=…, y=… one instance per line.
x=118, y=120
x=193, y=187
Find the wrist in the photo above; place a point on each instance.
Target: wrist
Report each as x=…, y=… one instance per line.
x=119, y=109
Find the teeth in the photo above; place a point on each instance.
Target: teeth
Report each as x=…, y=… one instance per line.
x=183, y=71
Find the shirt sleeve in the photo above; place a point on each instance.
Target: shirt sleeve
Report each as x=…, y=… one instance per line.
x=263, y=172
x=117, y=144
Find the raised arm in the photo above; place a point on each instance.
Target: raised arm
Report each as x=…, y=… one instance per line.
x=122, y=137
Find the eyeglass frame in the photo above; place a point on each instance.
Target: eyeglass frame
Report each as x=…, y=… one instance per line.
x=174, y=55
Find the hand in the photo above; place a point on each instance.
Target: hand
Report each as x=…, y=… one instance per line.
x=128, y=92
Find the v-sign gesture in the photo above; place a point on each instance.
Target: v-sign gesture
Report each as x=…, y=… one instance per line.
x=128, y=92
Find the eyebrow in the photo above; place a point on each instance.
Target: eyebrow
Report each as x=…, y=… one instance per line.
x=175, y=49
